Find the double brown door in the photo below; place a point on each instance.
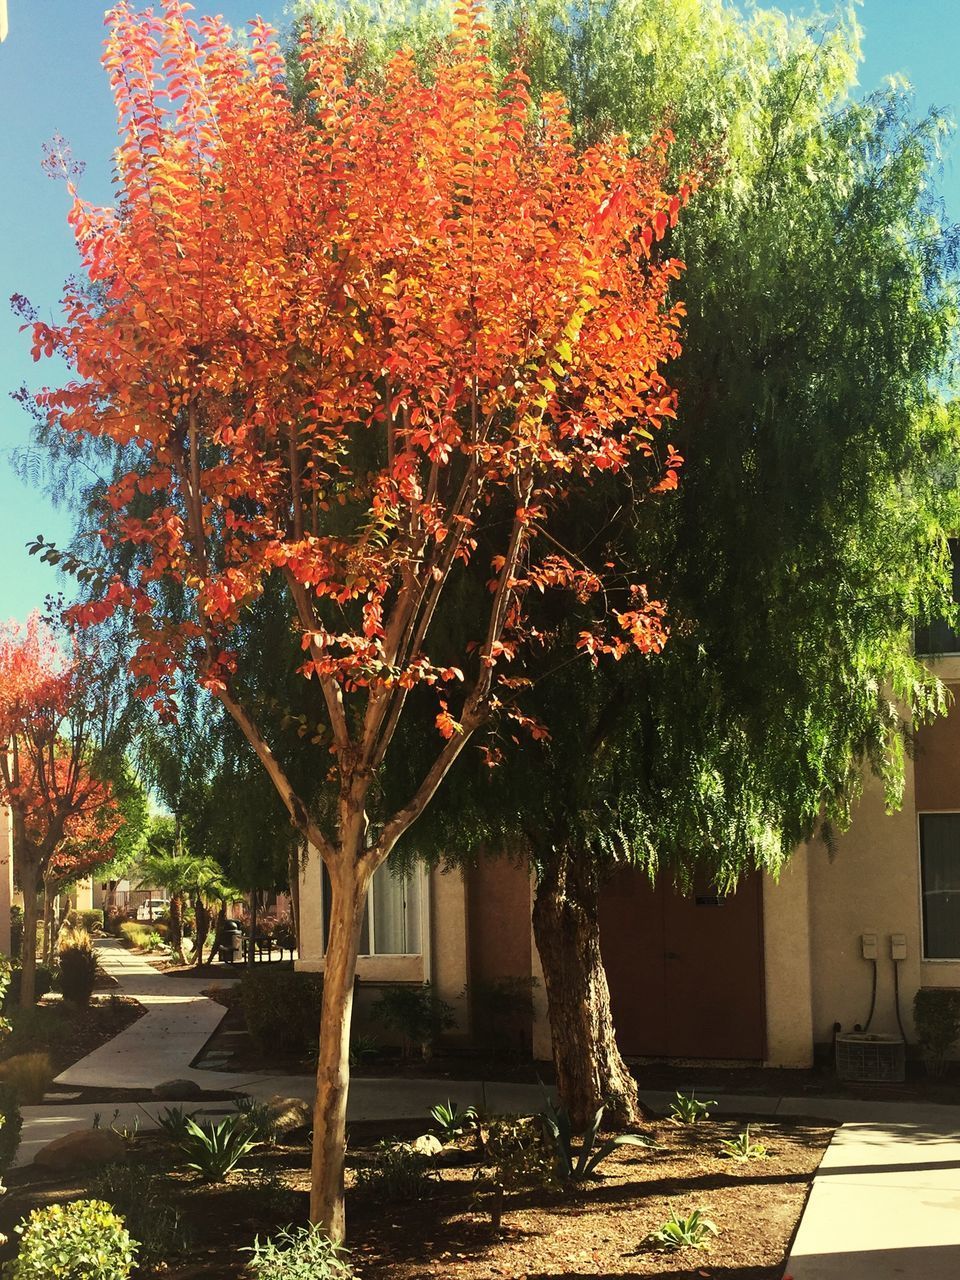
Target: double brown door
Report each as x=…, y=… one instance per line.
x=685, y=970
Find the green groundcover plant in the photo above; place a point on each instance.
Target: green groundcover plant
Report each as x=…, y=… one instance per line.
x=84, y=1240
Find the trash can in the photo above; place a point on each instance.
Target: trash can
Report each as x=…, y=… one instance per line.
x=230, y=949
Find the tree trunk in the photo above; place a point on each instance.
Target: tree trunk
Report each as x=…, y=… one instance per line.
x=28, y=953
x=348, y=897
x=293, y=875
x=48, y=896
x=202, y=917
x=176, y=923
x=590, y=1071
x=252, y=940
x=217, y=931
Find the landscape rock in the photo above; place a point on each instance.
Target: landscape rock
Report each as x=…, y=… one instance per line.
x=177, y=1090
x=288, y=1114
x=82, y=1147
x=428, y=1145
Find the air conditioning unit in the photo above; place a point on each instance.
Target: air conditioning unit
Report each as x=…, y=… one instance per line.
x=871, y=1059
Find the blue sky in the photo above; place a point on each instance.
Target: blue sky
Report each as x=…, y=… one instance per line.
x=51, y=81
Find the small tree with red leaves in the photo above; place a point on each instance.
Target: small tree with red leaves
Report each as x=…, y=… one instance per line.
x=354, y=344
x=60, y=724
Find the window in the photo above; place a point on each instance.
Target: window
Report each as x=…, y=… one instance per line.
x=938, y=636
x=940, y=885
x=391, y=922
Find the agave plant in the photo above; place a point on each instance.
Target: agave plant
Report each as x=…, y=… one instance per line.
x=692, y=1232
x=450, y=1121
x=213, y=1150
x=574, y=1165
x=741, y=1147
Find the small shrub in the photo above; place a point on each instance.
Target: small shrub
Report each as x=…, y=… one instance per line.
x=11, y=1122
x=258, y=1119
x=79, y=970
x=38, y=1029
x=396, y=1172
x=450, y=1121
x=502, y=1014
x=741, y=1148
x=282, y=1009
x=575, y=1165
x=89, y=921
x=517, y=1153
x=684, y=1110
x=16, y=931
x=29, y=1075
x=691, y=1232
x=145, y=937
x=303, y=1254
x=415, y=1013
x=83, y=1240
x=936, y=1013
x=214, y=1150
x=136, y=1194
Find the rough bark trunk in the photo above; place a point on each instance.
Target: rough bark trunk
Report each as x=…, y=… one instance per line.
x=28, y=953
x=348, y=896
x=176, y=923
x=202, y=917
x=217, y=932
x=590, y=1071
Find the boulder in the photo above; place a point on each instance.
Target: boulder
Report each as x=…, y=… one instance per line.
x=82, y=1147
x=428, y=1145
x=288, y=1114
x=177, y=1090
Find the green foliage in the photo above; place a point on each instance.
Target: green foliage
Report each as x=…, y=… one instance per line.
x=741, y=1147
x=88, y=921
x=29, y=1075
x=691, y=1232
x=43, y=980
x=936, y=1016
x=83, y=1240
x=137, y=1195
x=78, y=971
x=145, y=937
x=517, y=1153
x=302, y=1254
x=257, y=1118
x=173, y=1122
x=11, y=1122
x=282, y=1009
x=502, y=1015
x=214, y=1150
x=576, y=1165
x=415, y=1013
x=451, y=1121
x=689, y=1110
x=395, y=1171
x=41, y=1028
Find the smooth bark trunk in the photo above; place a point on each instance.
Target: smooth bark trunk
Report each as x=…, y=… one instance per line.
x=348, y=897
x=28, y=953
x=293, y=875
x=48, y=896
x=590, y=1071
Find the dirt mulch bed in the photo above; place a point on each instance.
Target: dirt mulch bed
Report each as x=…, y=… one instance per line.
x=68, y=1034
x=597, y=1229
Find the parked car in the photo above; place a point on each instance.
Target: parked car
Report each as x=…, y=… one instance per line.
x=152, y=909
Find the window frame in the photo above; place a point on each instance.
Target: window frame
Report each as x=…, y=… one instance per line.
x=921, y=896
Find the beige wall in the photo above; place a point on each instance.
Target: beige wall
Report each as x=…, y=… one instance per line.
x=444, y=958
x=787, y=966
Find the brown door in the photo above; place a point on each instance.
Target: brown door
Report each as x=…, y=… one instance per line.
x=685, y=970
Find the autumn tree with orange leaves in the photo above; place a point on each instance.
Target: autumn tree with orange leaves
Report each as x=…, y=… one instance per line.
x=356, y=346
x=61, y=725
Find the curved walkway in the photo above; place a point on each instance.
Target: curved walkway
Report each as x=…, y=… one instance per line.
x=885, y=1203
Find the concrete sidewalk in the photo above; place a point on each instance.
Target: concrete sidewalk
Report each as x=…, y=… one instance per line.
x=885, y=1205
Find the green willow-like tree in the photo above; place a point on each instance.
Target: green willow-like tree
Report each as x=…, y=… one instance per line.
x=809, y=529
